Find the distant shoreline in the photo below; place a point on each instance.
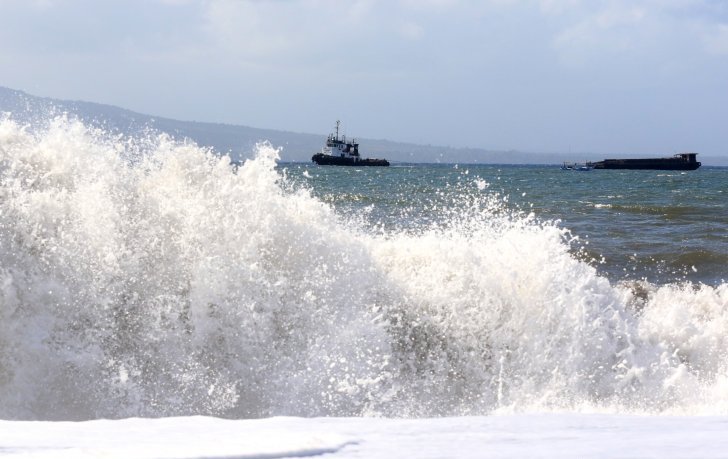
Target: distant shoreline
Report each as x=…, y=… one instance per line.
x=397, y=163
x=239, y=142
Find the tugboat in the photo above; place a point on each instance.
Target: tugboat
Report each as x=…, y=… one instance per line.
x=679, y=162
x=339, y=152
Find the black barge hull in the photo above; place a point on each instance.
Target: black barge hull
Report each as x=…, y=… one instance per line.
x=679, y=162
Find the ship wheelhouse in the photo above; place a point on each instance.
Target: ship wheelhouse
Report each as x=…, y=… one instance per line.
x=340, y=147
x=688, y=157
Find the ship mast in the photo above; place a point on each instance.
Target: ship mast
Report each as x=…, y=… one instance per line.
x=337, y=129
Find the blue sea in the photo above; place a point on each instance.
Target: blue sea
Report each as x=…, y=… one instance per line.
x=148, y=277
x=632, y=225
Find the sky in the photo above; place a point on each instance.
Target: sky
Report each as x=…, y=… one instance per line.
x=620, y=76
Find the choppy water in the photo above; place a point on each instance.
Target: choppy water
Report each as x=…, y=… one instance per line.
x=659, y=226
x=146, y=277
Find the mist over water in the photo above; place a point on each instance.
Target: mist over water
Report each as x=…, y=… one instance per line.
x=148, y=277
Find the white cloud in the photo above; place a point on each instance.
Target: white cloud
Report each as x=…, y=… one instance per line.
x=246, y=28
x=411, y=31
x=639, y=29
x=280, y=29
x=631, y=16
x=716, y=40
x=429, y=4
x=617, y=29
x=42, y=5
x=558, y=6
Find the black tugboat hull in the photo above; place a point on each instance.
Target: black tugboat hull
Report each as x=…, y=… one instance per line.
x=331, y=160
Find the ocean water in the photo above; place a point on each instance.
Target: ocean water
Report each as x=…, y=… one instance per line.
x=656, y=226
x=147, y=277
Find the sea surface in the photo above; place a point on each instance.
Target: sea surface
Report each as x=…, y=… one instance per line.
x=656, y=226
x=149, y=277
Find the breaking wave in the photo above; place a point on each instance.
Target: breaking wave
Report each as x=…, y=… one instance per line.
x=149, y=277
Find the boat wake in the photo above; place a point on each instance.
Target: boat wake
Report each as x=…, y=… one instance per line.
x=149, y=277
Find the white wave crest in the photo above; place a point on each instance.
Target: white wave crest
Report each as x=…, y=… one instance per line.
x=144, y=277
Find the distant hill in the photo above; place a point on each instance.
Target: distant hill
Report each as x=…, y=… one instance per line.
x=239, y=141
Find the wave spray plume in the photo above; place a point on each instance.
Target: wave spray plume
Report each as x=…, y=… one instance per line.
x=149, y=277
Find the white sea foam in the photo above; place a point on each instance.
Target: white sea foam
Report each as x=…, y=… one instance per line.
x=143, y=277
x=562, y=436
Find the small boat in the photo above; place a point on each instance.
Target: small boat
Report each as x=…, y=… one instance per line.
x=338, y=152
x=576, y=167
x=678, y=162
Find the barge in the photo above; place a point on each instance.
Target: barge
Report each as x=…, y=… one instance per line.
x=678, y=162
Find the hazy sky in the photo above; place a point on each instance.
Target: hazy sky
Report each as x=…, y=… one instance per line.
x=622, y=76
